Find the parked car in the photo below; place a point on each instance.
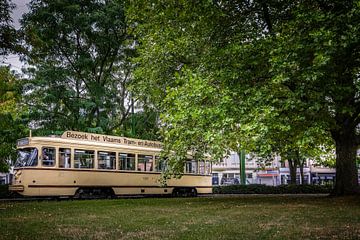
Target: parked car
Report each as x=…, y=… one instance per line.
x=229, y=181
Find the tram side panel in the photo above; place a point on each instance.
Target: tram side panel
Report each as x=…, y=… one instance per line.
x=55, y=182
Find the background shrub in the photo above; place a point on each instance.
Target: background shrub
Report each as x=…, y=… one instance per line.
x=264, y=189
x=4, y=191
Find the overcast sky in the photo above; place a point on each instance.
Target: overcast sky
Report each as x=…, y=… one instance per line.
x=21, y=8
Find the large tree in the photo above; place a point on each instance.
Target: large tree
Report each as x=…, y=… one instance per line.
x=226, y=72
x=12, y=114
x=317, y=57
x=13, y=117
x=80, y=52
x=8, y=35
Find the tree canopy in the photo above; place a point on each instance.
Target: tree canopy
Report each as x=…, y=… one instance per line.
x=80, y=52
x=12, y=114
x=13, y=117
x=8, y=34
x=253, y=74
x=266, y=76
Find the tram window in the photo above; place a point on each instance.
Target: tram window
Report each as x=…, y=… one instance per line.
x=48, y=156
x=207, y=168
x=83, y=159
x=160, y=164
x=145, y=163
x=201, y=167
x=106, y=160
x=27, y=157
x=191, y=166
x=65, y=158
x=126, y=161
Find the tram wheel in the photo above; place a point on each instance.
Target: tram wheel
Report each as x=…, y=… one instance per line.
x=193, y=192
x=176, y=193
x=93, y=193
x=79, y=194
x=184, y=192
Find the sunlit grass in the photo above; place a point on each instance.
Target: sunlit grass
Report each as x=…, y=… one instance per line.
x=248, y=217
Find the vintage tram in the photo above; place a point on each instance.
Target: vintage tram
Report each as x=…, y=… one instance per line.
x=83, y=165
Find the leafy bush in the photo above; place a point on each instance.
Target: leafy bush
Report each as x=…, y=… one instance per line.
x=4, y=191
x=264, y=189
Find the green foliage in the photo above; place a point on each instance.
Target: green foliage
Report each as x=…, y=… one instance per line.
x=8, y=35
x=264, y=189
x=145, y=123
x=265, y=76
x=321, y=68
x=13, y=117
x=215, y=93
x=4, y=191
x=80, y=51
x=195, y=123
x=168, y=37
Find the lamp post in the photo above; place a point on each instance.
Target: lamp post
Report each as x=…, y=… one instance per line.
x=242, y=167
x=132, y=118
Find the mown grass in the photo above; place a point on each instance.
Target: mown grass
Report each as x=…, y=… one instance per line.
x=226, y=217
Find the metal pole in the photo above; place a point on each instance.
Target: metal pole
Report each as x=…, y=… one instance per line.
x=132, y=118
x=242, y=168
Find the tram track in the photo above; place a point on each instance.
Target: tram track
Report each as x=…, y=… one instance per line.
x=24, y=199
x=28, y=199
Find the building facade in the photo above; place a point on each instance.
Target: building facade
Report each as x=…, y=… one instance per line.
x=274, y=173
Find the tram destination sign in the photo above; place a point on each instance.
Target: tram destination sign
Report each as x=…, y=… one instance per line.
x=22, y=142
x=110, y=139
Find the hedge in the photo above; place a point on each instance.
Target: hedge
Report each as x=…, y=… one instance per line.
x=264, y=189
x=241, y=189
x=4, y=191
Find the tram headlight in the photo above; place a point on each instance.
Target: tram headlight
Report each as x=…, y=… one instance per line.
x=17, y=175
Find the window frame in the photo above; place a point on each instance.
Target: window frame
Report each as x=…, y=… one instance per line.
x=127, y=158
x=193, y=163
x=24, y=163
x=160, y=164
x=110, y=154
x=42, y=157
x=84, y=150
x=147, y=159
x=70, y=159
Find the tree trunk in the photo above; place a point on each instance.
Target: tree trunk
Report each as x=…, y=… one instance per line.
x=300, y=162
x=292, y=168
x=301, y=167
x=346, y=182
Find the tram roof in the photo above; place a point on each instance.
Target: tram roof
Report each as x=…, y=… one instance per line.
x=92, y=139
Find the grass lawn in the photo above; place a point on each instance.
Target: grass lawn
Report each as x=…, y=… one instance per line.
x=227, y=217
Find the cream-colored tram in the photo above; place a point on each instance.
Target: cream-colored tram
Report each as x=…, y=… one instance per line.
x=79, y=164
